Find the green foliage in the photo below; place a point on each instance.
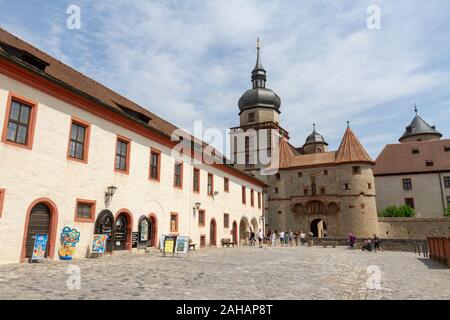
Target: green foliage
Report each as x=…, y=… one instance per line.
x=403, y=211
x=447, y=212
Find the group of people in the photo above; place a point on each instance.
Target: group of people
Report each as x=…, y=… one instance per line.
x=286, y=238
x=370, y=244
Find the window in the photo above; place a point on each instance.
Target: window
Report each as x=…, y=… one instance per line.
x=429, y=163
x=2, y=199
x=244, y=198
x=178, y=175
x=226, y=184
x=446, y=148
x=210, y=184
x=259, y=200
x=447, y=182
x=278, y=176
x=346, y=186
x=196, y=180
x=247, y=150
x=85, y=211
x=356, y=170
x=174, y=222
x=20, y=118
x=155, y=164
x=201, y=218
x=252, y=197
x=409, y=202
x=448, y=203
x=251, y=117
x=325, y=172
x=122, y=155
x=415, y=151
x=226, y=220
x=305, y=191
x=276, y=190
x=78, y=140
x=407, y=184
x=300, y=174
x=369, y=186
x=322, y=190
x=313, y=189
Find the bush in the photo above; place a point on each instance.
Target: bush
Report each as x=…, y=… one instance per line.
x=447, y=212
x=403, y=211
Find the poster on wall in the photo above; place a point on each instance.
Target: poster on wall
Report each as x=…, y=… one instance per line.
x=169, y=245
x=182, y=245
x=98, y=244
x=40, y=246
x=69, y=239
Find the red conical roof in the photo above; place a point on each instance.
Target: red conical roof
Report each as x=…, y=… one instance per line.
x=351, y=149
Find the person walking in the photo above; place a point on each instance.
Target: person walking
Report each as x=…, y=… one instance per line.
x=352, y=240
x=282, y=234
x=273, y=238
x=302, y=238
x=260, y=238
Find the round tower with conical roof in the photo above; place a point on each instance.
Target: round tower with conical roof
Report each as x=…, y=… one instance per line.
x=354, y=173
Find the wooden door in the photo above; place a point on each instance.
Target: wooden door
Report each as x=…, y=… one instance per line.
x=212, y=233
x=39, y=223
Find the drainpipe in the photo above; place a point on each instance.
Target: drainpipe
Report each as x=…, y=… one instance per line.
x=442, y=193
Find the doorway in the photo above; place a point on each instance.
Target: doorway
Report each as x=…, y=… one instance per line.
x=318, y=228
x=122, y=232
x=41, y=218
x=213, y=233
x=105, y=225
x=153, y=230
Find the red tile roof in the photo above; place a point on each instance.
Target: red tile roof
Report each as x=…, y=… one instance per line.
x=399, y=158
x=350, y=151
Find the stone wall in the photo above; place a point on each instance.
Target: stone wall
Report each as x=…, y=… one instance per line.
x=410, y=245
x=413, y=228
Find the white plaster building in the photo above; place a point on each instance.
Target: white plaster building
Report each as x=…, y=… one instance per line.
x=66, y=139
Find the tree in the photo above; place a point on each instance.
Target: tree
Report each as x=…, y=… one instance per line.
x=403, y=211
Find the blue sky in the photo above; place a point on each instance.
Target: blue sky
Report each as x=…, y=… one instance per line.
x=191, y=60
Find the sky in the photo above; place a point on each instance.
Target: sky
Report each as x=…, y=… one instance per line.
x=191, y=60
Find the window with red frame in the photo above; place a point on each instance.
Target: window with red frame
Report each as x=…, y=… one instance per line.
x=178, y=175
x=252, y=198
x=201, y=218
x=196, y=180
x=210, y=184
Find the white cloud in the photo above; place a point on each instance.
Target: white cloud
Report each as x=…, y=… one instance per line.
x=190, y=60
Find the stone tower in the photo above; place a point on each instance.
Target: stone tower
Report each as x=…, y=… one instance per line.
x=354, y=172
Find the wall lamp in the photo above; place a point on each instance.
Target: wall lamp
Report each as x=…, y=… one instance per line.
x=196, y=207
x=109, y=194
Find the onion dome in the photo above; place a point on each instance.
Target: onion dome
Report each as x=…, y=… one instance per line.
x=259, y=96
x=315, y=138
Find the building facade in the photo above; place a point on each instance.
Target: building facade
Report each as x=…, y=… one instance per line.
x=311, y=189
x=74, y=153
x=416, y=171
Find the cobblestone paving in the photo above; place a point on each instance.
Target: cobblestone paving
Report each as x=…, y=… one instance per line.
x=233, y=273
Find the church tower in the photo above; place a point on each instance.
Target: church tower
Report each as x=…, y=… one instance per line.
x=259, y=130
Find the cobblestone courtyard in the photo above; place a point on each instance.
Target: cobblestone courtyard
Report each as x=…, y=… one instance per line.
x=234, y=273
